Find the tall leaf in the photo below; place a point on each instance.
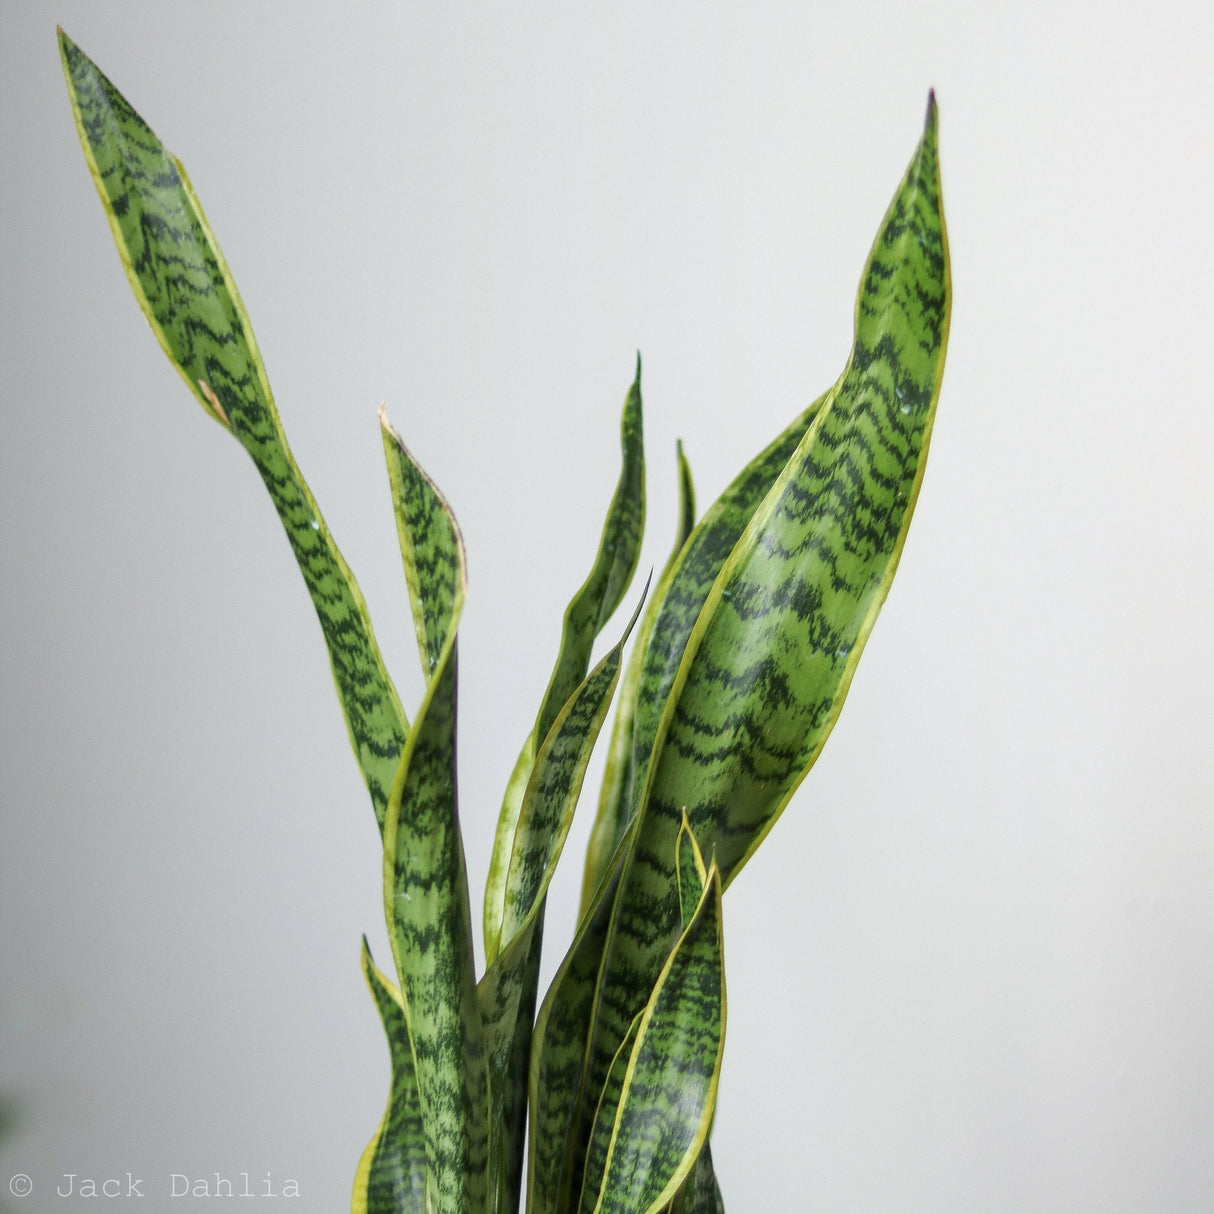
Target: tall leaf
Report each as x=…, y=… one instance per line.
x=775, y=646
x=425, y=881
x=588, y=611
x=507, y=992
x=182, y=282
x=557, y=1090
x=665, y=630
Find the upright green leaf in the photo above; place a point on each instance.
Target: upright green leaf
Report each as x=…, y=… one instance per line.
x=614, y=564
x=430, y=546
x=425, y=882
x=507, y=992
x=657, y=1128
x=775, y=646
x=588, y=611
x=604, y=1118
x=610, y=821
x=181, y=281
x=391, y=1176
x=557, y=1093
x=699, y=1193
x=663, y=636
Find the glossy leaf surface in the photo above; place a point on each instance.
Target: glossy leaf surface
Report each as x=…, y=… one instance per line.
x=666, y=628
x=775, y=646
x=668, y=1093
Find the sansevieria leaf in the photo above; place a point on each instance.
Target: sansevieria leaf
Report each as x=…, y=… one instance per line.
x=611, y=819
x=588, y=611
x=391, y=1176
x=557, y=1090
x=665, y=630
x=659, y=1124
x=507, y=992
x=425, y=881
x=182, y=282
x=775, y=646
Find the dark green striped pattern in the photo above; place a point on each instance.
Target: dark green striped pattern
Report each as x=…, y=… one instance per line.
x=608, y=827
x=774, y=649
x=391, y=1177
x=425, y=883
x=601, y=1139
x=614, y=564
x=661, y=1118
x=183, y=284
x=430, y=544
x=507, y=992
x=700, y=1193
x=665, y=631
x=589, y=609
x=744, y=657
x=557, y=1091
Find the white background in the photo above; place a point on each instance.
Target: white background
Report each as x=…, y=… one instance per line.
x=973, y=967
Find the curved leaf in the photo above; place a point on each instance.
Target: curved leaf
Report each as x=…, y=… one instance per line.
x=556, y=1089
x=774, y=649
x=700, y=1193
x=589, y=609
x=665, y=631
x=669, y=1088
x=181, y=281
x=430, y=544
x=391, y=1176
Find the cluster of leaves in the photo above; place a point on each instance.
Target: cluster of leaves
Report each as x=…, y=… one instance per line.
x=744, y=652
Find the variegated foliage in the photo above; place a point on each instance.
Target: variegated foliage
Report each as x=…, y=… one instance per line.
x=740, y=662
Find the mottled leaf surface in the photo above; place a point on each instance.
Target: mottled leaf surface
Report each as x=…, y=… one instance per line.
x=426, y=892
x=391, y=1176
x=775, y=646
x=181, y=280
x=430, y=544
x=507, y=992
x=588, y=611
x=557, y=1093
x=665, y=630
x=669, y=1089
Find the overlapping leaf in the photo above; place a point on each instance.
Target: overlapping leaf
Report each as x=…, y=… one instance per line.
x=744, y=657
x=589, y=609
x=391, y=1176
x=655, y=1128
x=507, y=991
x=181, y=281
x=775, y=646
x=665, y=630
x=556, y=1089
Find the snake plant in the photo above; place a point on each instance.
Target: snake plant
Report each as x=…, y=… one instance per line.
x=741, y=657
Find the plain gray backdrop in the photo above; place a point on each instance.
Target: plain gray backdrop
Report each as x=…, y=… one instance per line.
x=973, y=966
